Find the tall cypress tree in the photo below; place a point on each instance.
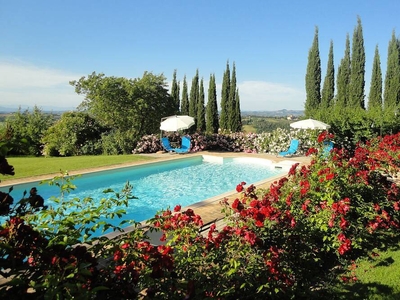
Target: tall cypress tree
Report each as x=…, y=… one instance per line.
x=185, y=98
x=238, y=114
x=175, y=92
x=223, y=121
x=375, y=91
x=201, y=114
x=357, y=74
x=328, y=89
x=343, y=77
x=212, y=124
x=194, y=95
x=391, y=94
x=313, y=78
x=232, y=118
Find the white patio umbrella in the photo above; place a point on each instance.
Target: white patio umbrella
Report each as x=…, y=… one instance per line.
x=176, y=123
x=310, y=124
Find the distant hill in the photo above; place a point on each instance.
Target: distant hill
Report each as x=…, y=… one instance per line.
x=275, y=113
x=48, y=109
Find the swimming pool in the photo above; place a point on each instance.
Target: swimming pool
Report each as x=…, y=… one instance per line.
x=160, y=185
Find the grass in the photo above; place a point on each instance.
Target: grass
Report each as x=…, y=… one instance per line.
x=33, y=166
x=378, y=277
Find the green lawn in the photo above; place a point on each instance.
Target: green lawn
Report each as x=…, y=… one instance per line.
x=378, y=277
x=33, y=166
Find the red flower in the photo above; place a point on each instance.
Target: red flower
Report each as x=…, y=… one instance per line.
x=345, y=247
x=341, y=237
x=311, y=151
x=305, y=187
x=239, y=188
x=304, y=206
x=177, y=208
x=344, y=223
x=237, y=205
x=330, y=176
x=292, y=170
x=125, y=246
x=117, y=255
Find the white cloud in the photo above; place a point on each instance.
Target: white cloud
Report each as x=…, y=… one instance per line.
x=24, y=85
x=262, y=95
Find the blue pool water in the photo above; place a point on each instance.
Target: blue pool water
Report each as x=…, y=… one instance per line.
x=164, y=184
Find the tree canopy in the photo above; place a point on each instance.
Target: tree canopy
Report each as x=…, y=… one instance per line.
x=135, y=105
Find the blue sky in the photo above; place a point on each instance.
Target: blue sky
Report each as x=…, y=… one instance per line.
x=45, y=44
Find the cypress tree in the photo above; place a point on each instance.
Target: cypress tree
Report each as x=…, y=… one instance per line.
x=175, y=92
x=357, y=74
x=194, y=95
x=185, y=98
x=328, y=89
x=232, y=118
x=238, y=113
x=201, y=114
x=212, y=107
x=343, y=77
x=375, y=91
x=223, y=122
x=391, y=92
x=313, y=78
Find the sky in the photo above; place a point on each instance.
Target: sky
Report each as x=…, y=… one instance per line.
x=45, y=44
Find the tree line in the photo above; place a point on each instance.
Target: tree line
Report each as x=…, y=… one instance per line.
x=117, y=112
x=347, y=105
x=207, y=117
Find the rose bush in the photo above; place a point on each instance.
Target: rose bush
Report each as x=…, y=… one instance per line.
x=270, y=142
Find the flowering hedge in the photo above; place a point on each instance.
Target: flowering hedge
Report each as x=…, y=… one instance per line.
x=270, y=142
x=291, y=240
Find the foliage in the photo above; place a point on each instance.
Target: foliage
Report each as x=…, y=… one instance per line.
x=328, y=89
x=127, y=105
x=295, y=239
x=375, y=92
x=313, y=78
x=194, y=97
x=75, y=133
x=391, y=95
x=357, y=80
x=273, y=142
x=343, y=77
x=201, y=112
x=46, y=254
x=266, y=124
x=234, y=119
x=224, y=112
x=185, y=98
x=118, y=142
x=175, y=92
x=27, y=129
x=212, y=122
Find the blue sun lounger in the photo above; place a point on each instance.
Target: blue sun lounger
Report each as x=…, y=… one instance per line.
x=185, y=145
x=328, y=146
x=294, y=145
x=166, y=144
